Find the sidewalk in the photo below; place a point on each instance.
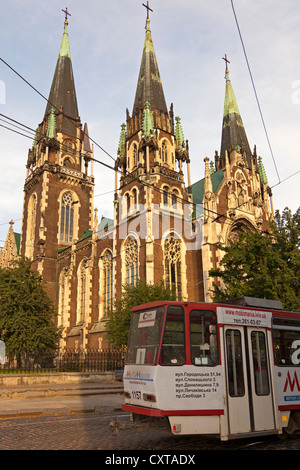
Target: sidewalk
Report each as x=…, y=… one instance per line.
x=38, y=400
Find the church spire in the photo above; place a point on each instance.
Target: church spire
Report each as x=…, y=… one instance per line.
x=62, y=94
x=233, y=132
x=149, y=86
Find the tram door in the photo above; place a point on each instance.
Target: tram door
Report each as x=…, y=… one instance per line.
x=250, y=404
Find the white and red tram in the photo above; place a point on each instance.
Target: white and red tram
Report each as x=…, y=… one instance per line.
x=224, y=369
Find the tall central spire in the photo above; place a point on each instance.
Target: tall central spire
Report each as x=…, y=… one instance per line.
x=149, y=86
x=62, y=95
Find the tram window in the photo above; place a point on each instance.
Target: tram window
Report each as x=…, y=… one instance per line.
x=203, y=329
x=260, y=363
x=173, y=344
x=144, y=336
x=286, y=342
x=235, y=363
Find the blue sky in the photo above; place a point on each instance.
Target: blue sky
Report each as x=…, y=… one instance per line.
x=190, y=38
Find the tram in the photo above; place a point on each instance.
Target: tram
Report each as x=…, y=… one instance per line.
x=227, y=369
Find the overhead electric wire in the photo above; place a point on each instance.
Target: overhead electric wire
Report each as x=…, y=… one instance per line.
x=143, y=183
x=46, y=99
x=212, y=214
x=253, y=84
x=107, y=153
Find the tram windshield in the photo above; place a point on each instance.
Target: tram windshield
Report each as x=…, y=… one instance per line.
x=173, y=343
x=144, y=337
x=203, y=337
x=286, y=341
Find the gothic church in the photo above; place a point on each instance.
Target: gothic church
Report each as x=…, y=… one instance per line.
x=163, y=228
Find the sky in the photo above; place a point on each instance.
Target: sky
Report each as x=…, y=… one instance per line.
x=190, y=38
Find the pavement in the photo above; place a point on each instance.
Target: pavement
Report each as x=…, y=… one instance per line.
x=39, y=400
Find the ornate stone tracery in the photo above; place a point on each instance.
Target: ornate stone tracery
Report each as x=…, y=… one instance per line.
x=172, y=261
x=131, y=260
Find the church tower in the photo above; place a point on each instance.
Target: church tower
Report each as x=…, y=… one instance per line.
x=59, y=185
x=152, y=191
x=234, y=192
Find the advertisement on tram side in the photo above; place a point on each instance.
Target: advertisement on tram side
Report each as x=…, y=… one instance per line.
x=287, y=387
x=176, y=388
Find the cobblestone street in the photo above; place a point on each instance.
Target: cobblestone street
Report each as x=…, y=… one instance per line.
x=90, y=431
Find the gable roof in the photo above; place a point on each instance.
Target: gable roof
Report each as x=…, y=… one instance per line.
x=198, y=187
x=104, y=223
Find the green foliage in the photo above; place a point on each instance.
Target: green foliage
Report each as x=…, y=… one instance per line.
x=263, y=266
x=118, y=319
x=26, y=312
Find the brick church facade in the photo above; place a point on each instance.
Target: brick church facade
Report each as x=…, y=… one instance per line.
x=163, y=227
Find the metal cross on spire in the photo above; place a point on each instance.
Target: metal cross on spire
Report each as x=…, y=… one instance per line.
x=227, y=61
x=66, y=14
x=148, y=9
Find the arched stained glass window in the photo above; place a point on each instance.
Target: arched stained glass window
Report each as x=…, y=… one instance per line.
x=128, y=202
x=132, y=261
x=165, y=195
x=82, y=291
x=174, y=198
x=172, y=260
x=63, y=296
x=164, y=152
x=135, y=155
x=67, y=218
x=31, y=222
x=134, y=197
x=108, y=280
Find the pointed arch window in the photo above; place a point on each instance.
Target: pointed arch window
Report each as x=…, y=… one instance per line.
x=135, y=155
x=108, y=280
x=165, y=195
x=164, y=152
x=174, y=198
x=30, y=229
x=82, y=291
x=67, y=218
x=172, y=261
x=134, y=197
x=128, y=202
x=63, y=296
x=132, y=261
x=68, y=162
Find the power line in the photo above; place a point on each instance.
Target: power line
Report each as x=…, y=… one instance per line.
x=256, y=96
x=285, y=179
x=212, y=214
x=39, y=93
x=106, y=165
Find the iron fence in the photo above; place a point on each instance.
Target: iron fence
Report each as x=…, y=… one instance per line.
x=66, y=360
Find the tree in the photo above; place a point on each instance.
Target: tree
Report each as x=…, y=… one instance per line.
x=263, y=265
x=118, y=319
x=26, y=312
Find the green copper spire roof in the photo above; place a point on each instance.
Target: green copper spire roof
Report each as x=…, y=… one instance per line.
x=262, y=171
x=149, y=86
x=51, y=124
x=233, y=131
x=180, y=142
x=147, y=126
x=230, y=104
x=122, y=141
x=65, y=45
x=62, y=94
